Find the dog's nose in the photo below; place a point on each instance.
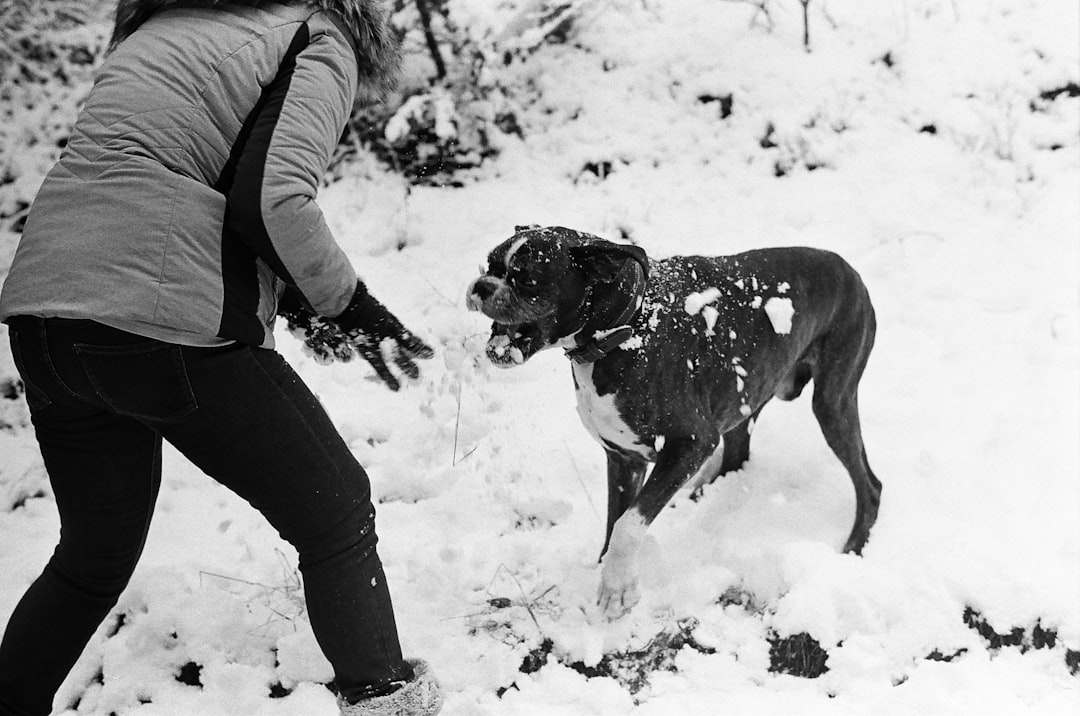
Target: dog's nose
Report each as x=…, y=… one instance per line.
x=479, y=291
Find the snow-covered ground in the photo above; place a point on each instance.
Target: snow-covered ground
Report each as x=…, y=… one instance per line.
x=913, y=141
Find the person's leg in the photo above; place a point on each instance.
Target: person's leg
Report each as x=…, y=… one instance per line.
x=105, y=470
x=261, y=432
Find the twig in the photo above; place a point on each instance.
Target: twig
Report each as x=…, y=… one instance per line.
x=577, y=473
x=429, y=37
x=438, y=293
x=806, y=23
x=503, y=603
x=762, y=7
x=457, y=423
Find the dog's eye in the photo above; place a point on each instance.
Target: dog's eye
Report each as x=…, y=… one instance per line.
x=523, y=280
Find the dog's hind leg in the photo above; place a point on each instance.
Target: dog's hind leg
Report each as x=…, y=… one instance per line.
x=732, y=455
x=625, y=474
x=836, y=407
x=737, y=445
x=839, y=422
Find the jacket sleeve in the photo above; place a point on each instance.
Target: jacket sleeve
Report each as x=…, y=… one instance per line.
x=290, y=136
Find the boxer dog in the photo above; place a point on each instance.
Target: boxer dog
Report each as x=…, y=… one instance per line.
x=673, y=360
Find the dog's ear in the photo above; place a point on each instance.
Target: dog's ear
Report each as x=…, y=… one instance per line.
x=603, y=260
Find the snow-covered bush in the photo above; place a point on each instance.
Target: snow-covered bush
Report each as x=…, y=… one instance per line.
x=48, y=50
x=459, y=96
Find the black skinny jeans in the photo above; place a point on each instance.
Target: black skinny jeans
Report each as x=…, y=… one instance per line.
x=101, y=401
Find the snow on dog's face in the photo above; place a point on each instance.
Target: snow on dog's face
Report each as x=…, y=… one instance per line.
x=534, y=288
x=528, y=287
x=528, y=281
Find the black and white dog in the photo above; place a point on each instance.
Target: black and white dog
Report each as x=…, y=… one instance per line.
x=674, y=359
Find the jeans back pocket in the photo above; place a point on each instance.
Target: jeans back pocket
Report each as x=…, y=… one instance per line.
x=146, y=380
x=36, y=398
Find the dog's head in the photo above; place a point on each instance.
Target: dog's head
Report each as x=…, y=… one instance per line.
x=535, y=284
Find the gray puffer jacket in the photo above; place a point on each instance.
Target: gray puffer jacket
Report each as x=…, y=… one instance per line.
x=184, y=200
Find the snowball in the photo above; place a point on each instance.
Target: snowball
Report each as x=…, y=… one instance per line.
x=696, y=301
x=780, y=311
x=710, y=314
x=499, y=344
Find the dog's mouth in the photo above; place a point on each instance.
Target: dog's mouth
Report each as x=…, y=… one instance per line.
x=511, y=344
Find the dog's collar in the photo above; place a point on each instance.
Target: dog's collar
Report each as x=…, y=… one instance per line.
x=595, y=343
x=596, y=348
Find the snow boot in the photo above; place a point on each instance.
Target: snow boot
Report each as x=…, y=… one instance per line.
x=421, y=696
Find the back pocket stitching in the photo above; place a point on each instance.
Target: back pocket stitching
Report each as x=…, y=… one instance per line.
x=82, y=349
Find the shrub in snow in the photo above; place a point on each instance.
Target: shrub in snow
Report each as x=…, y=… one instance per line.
x=13, y=412
x=633, y=667
x=1039, y=638
x=48, y=50
x=459, y=98
x=798, y=655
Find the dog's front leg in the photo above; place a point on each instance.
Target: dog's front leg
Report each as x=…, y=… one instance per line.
x=624, y=475
x=619, y=587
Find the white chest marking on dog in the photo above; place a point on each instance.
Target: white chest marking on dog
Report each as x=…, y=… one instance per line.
x=601, y=417
x=780, y=311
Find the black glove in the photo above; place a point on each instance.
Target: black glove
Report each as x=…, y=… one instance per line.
x=326, y=341
x=368, y=325
x=362, y=327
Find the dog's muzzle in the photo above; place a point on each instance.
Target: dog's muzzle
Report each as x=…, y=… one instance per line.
x=480, y=291
x=512, y=341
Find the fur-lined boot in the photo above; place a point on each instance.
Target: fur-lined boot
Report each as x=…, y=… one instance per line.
x=420, y=696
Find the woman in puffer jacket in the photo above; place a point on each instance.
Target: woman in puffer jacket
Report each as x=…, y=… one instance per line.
x=141, y=306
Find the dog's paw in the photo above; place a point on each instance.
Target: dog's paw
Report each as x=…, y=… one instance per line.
x=618, y=597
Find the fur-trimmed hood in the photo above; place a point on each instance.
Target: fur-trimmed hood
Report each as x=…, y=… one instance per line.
x=377, y=48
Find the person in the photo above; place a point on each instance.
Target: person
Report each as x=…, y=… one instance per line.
x=141, y=303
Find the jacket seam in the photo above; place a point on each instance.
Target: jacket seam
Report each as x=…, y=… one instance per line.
x=200, y=101
x=168, y=243
x=201, y=94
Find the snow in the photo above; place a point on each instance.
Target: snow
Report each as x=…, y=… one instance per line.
x=492, y=494
x=710, y=315
x=780, y=312
x=698, y=300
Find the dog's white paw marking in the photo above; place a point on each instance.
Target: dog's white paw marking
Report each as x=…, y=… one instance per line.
x=616, y=600
x=620, y=589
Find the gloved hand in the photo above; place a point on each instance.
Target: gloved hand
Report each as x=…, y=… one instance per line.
x=376, y=334
x=365, y=327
